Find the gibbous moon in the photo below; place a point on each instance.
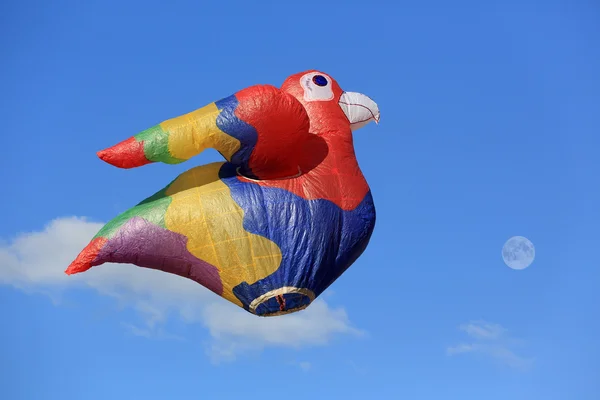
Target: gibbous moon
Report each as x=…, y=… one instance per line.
x=518, y=252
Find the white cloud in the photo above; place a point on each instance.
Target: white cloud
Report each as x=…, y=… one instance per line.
x=305, y=365
x=149, y=332
x=359, y=369
x=491, y=340
x=35, y=261
x=483, y=330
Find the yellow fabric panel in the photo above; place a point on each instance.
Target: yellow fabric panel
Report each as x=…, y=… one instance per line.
x=192, y=133
x=203, y=210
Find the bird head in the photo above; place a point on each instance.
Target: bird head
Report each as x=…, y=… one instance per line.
x=329, y=108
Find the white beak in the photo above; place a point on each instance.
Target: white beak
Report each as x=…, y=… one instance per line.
x=359, y=109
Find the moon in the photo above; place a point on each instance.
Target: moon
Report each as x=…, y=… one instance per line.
x=518, y=252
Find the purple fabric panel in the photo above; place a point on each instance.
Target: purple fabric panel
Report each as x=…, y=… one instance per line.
x=146, y=245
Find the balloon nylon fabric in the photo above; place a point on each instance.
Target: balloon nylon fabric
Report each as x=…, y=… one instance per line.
x=274, y=225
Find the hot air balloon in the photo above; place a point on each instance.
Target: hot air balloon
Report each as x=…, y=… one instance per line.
x=272, y=226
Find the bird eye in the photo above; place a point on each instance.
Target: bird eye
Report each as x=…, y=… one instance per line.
x=319, y=80
x=317, y=86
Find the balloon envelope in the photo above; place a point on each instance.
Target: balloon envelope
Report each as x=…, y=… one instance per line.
x=275, y=223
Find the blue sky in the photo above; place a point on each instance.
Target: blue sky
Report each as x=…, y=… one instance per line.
x=489, y=129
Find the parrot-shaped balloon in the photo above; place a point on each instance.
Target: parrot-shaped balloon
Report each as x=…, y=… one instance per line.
x=272, y=227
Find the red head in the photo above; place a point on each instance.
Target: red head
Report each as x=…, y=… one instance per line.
x=329, y=108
